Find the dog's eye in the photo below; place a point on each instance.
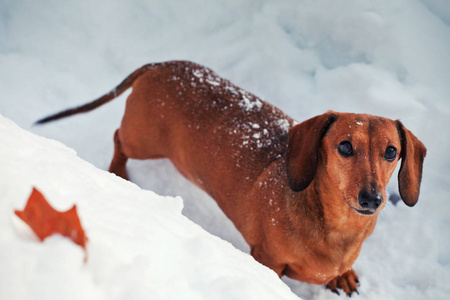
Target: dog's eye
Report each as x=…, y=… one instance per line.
x=390, y=154
x=345, y=148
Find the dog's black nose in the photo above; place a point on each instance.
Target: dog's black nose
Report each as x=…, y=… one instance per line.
x=369, y=200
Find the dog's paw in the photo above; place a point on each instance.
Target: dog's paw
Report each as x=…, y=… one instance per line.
x=348, y=282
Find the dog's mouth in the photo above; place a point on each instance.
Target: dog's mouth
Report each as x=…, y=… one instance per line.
x=364, y=212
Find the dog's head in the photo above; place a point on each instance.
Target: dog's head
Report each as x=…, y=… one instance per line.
x=358, y=154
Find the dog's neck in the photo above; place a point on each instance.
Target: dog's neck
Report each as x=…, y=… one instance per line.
x=327, y=216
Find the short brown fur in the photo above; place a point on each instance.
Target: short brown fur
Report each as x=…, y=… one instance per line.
x=286, y=187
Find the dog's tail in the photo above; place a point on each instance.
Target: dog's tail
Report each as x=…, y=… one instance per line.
x=117, y=91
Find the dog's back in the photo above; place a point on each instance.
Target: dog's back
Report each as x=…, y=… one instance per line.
x=181, y=111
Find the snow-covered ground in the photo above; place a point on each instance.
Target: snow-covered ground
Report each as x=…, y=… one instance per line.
x=140, y=245
x=388, y=58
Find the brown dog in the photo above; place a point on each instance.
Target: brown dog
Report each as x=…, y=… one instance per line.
x=304, y=197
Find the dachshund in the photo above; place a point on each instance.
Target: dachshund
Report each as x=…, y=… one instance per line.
x=303, y=195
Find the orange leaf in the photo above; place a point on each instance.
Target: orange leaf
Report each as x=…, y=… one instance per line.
x=44, y=220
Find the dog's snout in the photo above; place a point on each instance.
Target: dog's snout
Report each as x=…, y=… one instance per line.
x=369, y=200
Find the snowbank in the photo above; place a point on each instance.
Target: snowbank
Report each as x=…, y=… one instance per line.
x=140, y=245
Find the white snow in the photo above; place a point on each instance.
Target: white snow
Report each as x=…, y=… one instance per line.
x=284, y=125
x=386, y=58
x=248, y=104
x=140, y=245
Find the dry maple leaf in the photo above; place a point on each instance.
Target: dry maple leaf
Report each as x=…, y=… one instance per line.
x=44, y=220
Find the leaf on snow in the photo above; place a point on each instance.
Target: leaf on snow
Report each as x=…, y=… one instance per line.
x=44, y=220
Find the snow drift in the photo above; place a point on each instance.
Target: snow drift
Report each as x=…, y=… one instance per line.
x=140, y=245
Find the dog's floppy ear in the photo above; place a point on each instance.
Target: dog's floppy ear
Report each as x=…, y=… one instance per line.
x=302, y=152
x=412, y=154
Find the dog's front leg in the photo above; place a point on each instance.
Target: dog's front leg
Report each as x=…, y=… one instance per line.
x=348, y=282
x=262, y=257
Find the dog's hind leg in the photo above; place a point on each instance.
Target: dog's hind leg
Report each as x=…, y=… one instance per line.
x=118, y=163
